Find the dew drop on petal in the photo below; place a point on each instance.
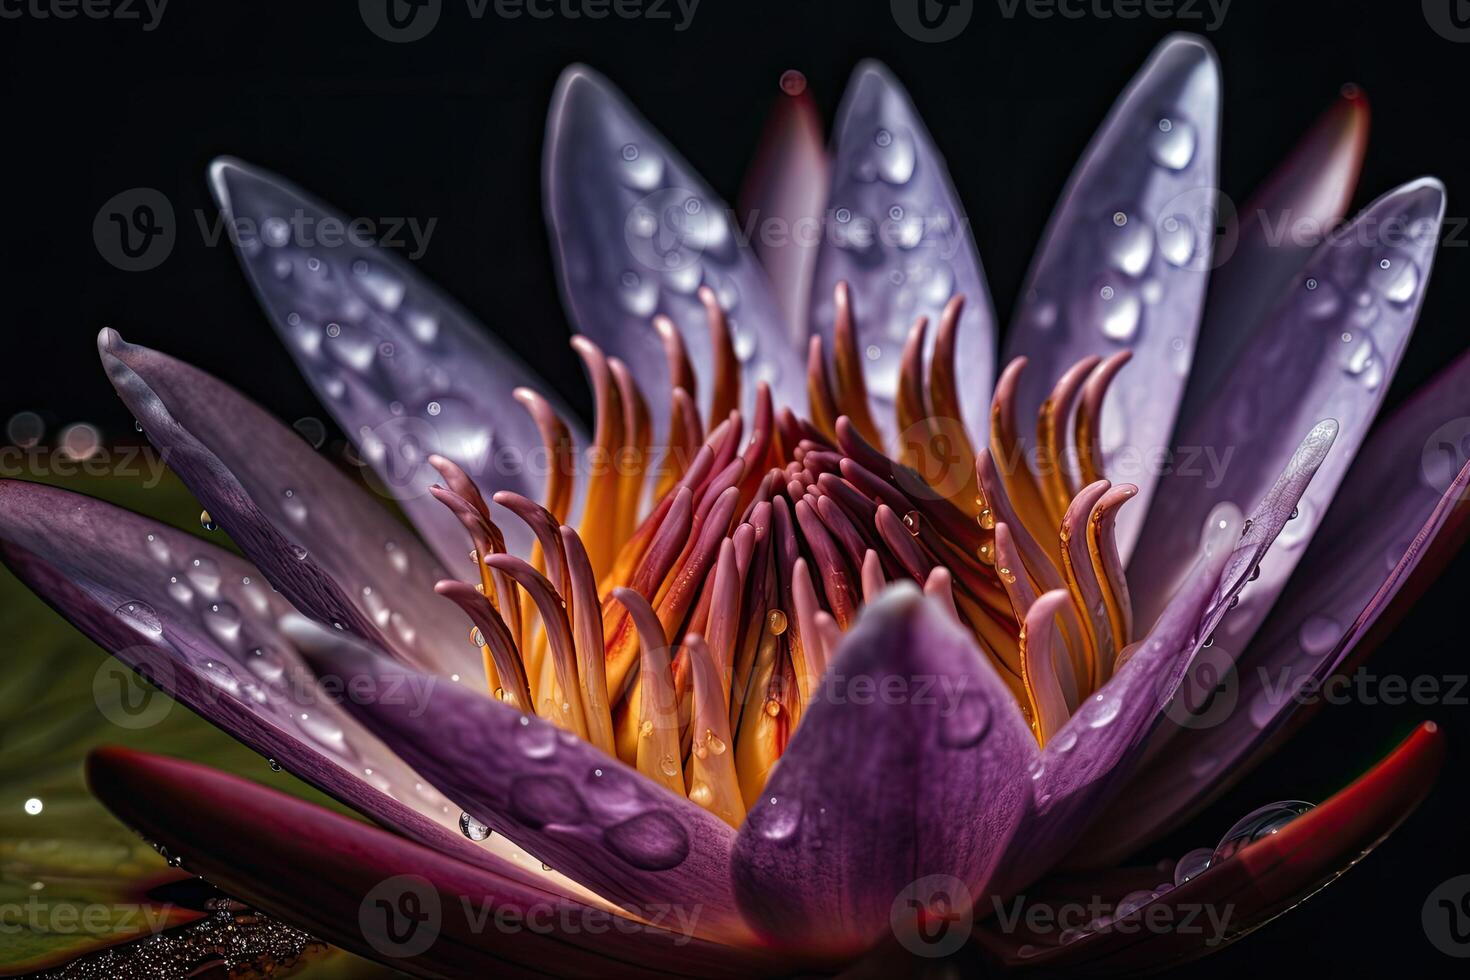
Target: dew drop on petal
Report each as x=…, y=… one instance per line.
x=1259, y=823
x=963, y=723
x=472, y=828
x=1193, y=864
x=653, y=841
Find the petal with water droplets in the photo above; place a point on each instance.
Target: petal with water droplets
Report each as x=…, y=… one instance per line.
x=1267, y=878
x=1399, y=515
x=387, y=898
x=403, y=369
x=202, y=624
x=898, y=235
x=637, y=233
x=1126, y=259
x=1330, y=351
x=328, y=546
x=910, y=727
x=589, y=816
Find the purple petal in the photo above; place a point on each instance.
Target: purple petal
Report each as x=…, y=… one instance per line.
x=1085, y=762
x=402, y=368
x=202, y=624
x=1330, y=351
x=896, y=232
x=909, y=762
x=1401, y=502
x=785, y=190
x=1273, y=237
x=637, y=232
x=1125, y=262
x=330, y=548
x=386, y=898
x=594, y=819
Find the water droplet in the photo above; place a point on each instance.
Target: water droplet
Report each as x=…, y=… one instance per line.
x=34, y=806
x=293, y=506
x=1319, y=634
x=776, y=818
x=298, y=552
x=793, y=82
x=1258, y=824
x=207, y=522
x=776, y=622
x=1193, y=864
x=141, y=617
x=536, y=740
x=1105, y=709
x=912, y=521
x=1064, y=742
x=1176, y=239
x=1172, y=146
x=1132, y=902
x=965, y=722
x=668, y=766
x=275, y=766
x=472, y=828
x=653, y=841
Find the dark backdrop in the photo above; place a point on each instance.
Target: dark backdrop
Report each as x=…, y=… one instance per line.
x=451, y=127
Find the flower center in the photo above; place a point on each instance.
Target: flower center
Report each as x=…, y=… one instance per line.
x=687, y=637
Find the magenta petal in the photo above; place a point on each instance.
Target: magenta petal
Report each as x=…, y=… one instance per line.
x=1085, y=763
x=910, y=761
x=404, y=370
x=202, y=625
x=387, y=898
x=1125, y=262
x=637, y=232
x=332, y=550
x=592, y=818
x=1330, y=351
x=897, y=234
x=1399, y=513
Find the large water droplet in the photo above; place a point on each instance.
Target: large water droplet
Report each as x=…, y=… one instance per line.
x=1193, y=864
x=965, y=722
x=1104, y=709
x=776, y=818
x=1171, y=144
x=141, y=617
x=1259, y=823
x=536, y=740
x=1176, y=239
x=653, y=841
x=1129, y=243
x=472, y=828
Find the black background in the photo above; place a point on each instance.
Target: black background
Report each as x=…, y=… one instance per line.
x=451, y=127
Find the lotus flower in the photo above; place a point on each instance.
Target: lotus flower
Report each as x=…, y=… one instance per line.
x=819, y=648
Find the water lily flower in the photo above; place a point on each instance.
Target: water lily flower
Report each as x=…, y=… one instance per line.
x=821, y=646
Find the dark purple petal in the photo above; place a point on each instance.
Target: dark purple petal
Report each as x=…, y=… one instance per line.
x=589, y=816
x=1236, y=896
x=331, y=549
x=896, y=233
x=637, y=232
x=384, y=897
x=1330, y=351
x=404, y=370
x=202, y=624
x=1085, y=762
x=1125, y=262
x=910, y=761
x=1272, y=238
x=1400, y=508
x=785, y=190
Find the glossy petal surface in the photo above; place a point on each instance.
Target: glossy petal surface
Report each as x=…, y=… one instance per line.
x=897, y=234
x=636, y=233
x=909, y=729
x=1330, y=351
x=382, y=896
x=1125, y=262
x=403, y=369
x=333, y=551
